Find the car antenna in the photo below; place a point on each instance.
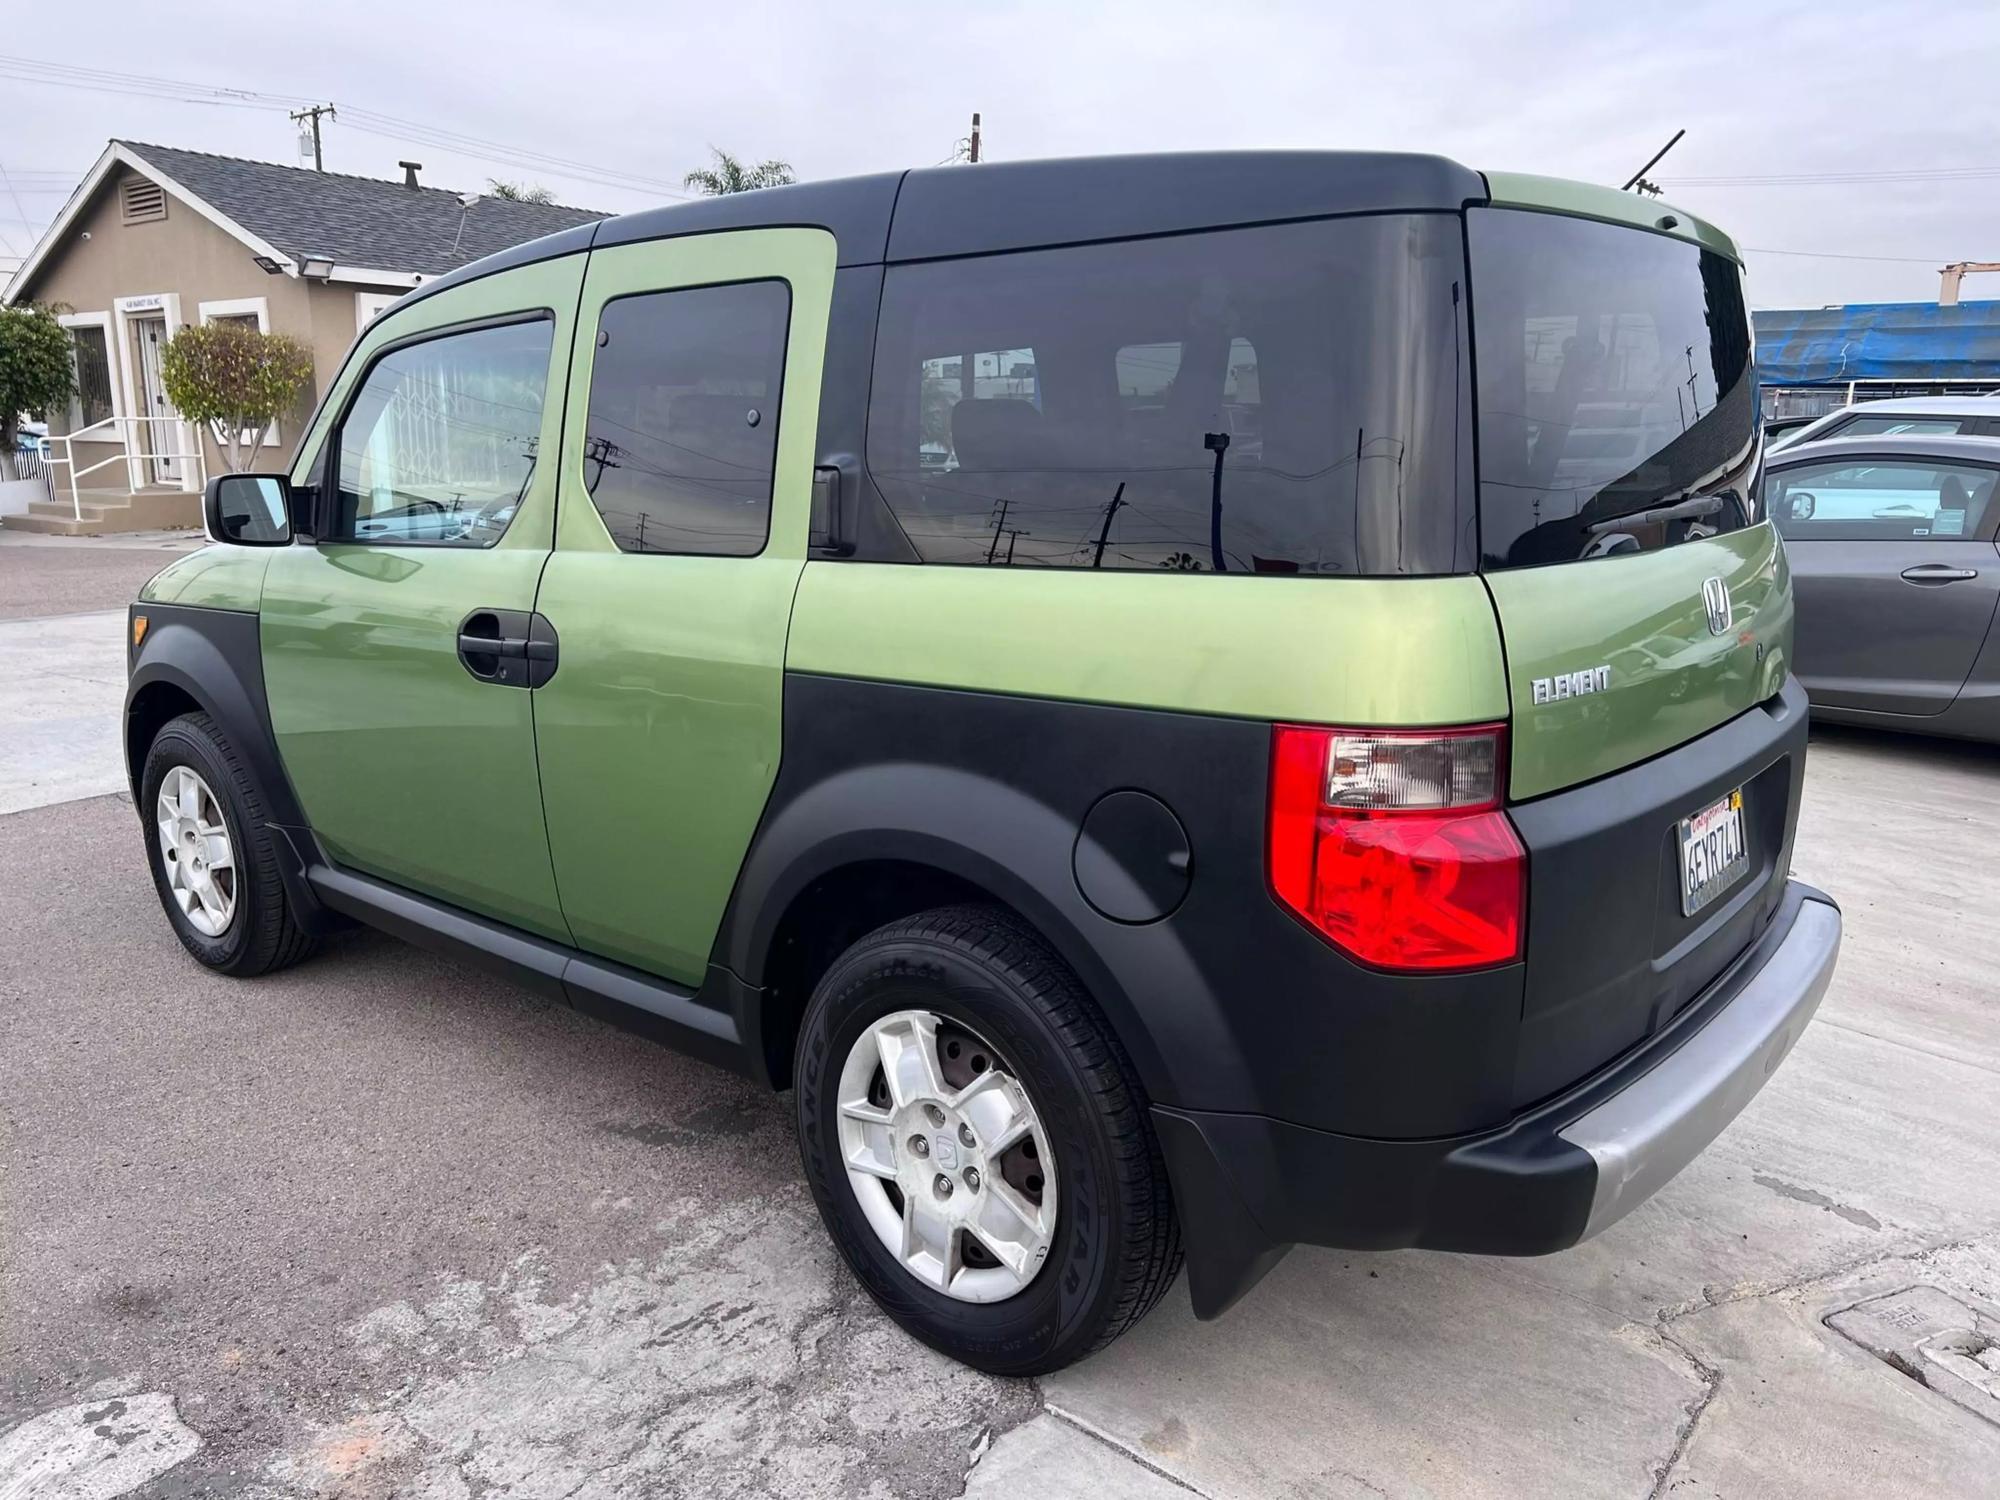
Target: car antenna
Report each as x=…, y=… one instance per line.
x=1638, y=178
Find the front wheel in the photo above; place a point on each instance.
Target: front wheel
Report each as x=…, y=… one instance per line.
x=979, y=1144
x=214, y=860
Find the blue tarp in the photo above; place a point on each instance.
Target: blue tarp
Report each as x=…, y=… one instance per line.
x=1913, y=341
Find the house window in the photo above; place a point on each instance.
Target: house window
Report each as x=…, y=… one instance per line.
x=141, y=201
x=91, y=403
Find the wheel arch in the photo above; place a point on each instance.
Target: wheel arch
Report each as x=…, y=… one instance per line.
x=868, y=844
x=208, y=660
x=194, y=659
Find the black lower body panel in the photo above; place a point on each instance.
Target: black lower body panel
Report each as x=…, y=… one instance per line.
x=1549, y=1178
x=1612, y=957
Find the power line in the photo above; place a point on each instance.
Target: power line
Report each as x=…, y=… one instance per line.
x=365, y=121
x=19, y=206
x=1911, y=260
x=1817, y=179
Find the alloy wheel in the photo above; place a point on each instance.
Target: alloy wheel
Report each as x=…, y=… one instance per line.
x=947, y=1156
x=195, y=851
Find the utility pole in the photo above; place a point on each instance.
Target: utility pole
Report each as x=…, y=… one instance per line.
x=1638, y=178
x=1104, y=532
x=999, y=521
x=313, y=114
x=972, y=152
x=1218, y=444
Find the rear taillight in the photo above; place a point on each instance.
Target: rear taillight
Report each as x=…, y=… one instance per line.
x=1394, y=846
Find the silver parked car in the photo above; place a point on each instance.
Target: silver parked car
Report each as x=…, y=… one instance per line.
x=1896, y=574
x=1911, y=416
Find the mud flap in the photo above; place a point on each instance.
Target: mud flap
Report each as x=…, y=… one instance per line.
x=1227, y=1250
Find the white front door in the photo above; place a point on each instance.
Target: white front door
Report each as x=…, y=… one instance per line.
x=159, y=440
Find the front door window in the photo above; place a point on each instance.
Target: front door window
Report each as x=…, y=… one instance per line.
x=441, y=441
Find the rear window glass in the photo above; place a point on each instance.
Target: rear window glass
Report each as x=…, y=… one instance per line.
x=1617, y=404
x=1279, y=400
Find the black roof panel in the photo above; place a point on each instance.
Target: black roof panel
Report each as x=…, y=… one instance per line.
x=1013, y=205
x=967, y=210
x=855, y=209
x=548, y=247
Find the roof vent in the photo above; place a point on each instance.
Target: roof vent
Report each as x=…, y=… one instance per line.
x=140, y=201
x=410, y=170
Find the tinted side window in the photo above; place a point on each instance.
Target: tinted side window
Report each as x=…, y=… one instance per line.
x=1271, y=400
x=1881, y=500
x=439, y=443
x=682, y=433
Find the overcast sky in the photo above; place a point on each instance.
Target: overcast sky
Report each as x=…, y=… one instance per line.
x=637, y=88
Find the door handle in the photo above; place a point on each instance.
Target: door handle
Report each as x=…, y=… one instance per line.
x=1938, y=573
x=508, y=647
x=515, y=646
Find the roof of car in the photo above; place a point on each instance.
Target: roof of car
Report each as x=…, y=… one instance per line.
x=1951, y=446
x=938, y=212
x=1910, y=406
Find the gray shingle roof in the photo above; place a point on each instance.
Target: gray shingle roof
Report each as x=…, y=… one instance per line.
x=363, y=222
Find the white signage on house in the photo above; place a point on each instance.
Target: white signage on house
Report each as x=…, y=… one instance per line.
x=151, y=302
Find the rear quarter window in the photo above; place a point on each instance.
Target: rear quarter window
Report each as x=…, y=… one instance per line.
x=1276, y=400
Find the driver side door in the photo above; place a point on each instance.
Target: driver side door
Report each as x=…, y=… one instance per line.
x=411, y=750
x=1895, y=579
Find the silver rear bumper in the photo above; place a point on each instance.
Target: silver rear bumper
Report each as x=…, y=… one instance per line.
x=1643, y=1135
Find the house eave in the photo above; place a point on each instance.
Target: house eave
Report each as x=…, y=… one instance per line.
x=117, y=154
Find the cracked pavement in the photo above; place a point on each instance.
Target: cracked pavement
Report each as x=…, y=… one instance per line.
x=382, y=1226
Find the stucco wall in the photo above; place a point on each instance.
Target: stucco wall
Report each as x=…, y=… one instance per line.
x=104, y=259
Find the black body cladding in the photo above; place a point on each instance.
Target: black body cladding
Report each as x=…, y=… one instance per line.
x=211, y=659
x=1226, y=1004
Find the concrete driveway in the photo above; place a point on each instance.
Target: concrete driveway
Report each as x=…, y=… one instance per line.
x=383, y=1226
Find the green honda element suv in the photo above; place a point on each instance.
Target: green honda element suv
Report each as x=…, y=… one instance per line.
x=1183, y=705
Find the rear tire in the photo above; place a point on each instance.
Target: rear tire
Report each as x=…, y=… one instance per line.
x=234, y=916
x=1000, y=999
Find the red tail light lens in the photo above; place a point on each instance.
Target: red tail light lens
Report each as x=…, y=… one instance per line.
x=1393, y=845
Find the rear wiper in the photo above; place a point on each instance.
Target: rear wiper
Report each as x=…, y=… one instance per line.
x=1680, y=510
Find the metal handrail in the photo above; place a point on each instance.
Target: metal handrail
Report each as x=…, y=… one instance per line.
x=127, y=456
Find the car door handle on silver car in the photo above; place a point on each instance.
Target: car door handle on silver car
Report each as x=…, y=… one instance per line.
x=1939, y=573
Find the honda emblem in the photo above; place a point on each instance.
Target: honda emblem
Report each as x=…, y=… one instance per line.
x=1715, y=596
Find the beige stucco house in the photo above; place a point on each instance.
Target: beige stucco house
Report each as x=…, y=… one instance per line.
x=156, y=238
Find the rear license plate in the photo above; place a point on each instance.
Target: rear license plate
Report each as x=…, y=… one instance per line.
x=1714, y=852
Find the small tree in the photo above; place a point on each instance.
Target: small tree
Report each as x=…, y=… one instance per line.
x=729, y=175
x=37, y=373
x=520, y=192
x=235, y=381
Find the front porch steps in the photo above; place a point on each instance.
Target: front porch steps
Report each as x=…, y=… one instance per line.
x=106, y=512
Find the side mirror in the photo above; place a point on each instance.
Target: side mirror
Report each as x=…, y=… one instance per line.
x=1803, y=506
x=248, y=510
